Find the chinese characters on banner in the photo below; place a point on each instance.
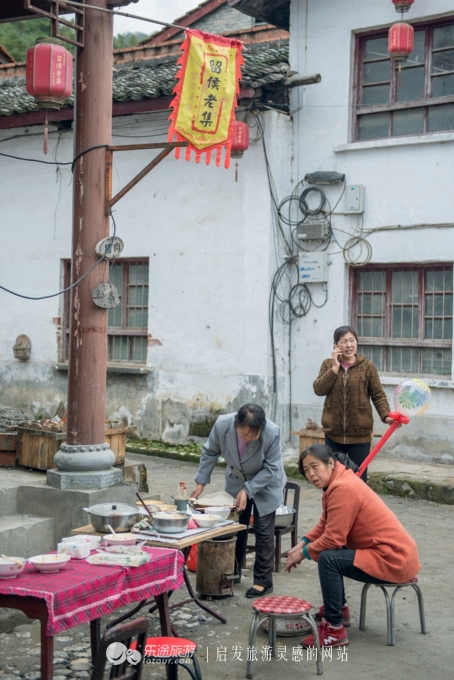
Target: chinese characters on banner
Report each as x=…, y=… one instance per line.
x=206, y=94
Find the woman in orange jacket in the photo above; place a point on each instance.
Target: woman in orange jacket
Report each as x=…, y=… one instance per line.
x=357, y=536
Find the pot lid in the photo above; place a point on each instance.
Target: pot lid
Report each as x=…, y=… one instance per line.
x=113, y=510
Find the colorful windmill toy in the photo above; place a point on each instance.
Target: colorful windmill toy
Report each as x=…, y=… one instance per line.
x=411, y=398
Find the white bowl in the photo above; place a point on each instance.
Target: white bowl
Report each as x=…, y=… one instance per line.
x=223, y=512
x=10, y=569
x=120, y=539
x=49, y=564
x=206, y=521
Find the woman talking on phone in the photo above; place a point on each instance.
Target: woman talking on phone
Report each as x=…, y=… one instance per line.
x=348, y=381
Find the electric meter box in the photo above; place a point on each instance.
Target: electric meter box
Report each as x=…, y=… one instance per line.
x=354, y=199
x=313, y=267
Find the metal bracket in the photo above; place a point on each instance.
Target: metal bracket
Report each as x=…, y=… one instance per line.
x=56, y=20
x=166, y=149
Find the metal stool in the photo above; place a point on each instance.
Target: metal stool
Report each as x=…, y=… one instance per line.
x=173, y=652
x=271, y=608
x=390, y=612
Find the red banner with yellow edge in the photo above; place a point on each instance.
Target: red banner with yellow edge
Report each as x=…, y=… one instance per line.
x=206, y=94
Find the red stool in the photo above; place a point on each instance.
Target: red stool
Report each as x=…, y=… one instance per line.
x=173, y=652
x=273, y=607
x=390, y=612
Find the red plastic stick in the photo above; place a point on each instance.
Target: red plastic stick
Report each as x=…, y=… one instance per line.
x=398, y=418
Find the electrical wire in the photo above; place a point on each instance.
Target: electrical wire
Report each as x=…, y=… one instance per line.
x=65, y=290
x=71, y=163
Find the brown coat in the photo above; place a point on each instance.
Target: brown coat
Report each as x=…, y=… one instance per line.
x=347, y=413
x=355, y=517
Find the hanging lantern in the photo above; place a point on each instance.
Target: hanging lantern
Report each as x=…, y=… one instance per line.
x=239, y=137
x=402, y=5
x=49, y=77
x=401, y=39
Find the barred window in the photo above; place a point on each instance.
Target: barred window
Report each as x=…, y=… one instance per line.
x=403, y=315
x=417, y=99
x=127, y=331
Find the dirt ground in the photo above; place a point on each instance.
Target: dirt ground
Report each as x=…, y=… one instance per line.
x=222, y=649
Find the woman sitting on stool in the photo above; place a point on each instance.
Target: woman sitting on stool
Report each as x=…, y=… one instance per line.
x=357, y=536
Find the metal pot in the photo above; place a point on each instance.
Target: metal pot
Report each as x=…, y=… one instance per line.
x=170, y=522
x=284, y=516
x=120, y=516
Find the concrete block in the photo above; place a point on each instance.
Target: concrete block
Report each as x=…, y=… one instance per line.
x=66, y=505
x=136, y=474
x=25, y=535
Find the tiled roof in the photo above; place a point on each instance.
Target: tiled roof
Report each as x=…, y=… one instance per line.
x=265, y=64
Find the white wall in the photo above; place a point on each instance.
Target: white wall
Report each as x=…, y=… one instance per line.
x=209, y=242
x=407, y=181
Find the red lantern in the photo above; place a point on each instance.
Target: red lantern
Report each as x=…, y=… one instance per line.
x=240, y=139
x=401, y=39
x=402, y=5
x=49, y=77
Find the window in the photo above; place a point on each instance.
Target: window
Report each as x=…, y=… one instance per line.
x=127, y=332
x=403, y=315
x=417, y=99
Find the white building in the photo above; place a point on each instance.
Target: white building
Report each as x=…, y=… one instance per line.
x=202, y=248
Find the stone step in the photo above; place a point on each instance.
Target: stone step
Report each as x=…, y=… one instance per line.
x=26, y=535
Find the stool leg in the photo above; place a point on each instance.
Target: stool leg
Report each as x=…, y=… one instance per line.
x=193, y=672
x=391, y=633
x=198, y=672
x=252, y=633
x=309, y=619
x=272, y=634
x=362, y=613
x=422, y=617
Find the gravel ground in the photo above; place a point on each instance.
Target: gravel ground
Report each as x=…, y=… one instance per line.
x=222, y=648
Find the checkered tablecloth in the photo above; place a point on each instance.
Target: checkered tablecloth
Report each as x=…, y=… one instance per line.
x=83, y=592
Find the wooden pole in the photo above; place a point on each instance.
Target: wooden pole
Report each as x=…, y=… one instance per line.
x=88, y=323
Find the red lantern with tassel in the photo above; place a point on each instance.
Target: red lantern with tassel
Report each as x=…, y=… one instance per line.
x=401, y=40
x=402, y=5
x=49, y=74
x=239, y=138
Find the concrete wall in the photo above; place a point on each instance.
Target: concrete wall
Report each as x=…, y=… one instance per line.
x=209, y=242
x=408, y=181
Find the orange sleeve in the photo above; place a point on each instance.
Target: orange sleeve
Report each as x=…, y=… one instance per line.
x=341, y=512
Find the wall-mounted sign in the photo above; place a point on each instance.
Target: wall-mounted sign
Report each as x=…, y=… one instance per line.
x=110, y=247
x=105, y=295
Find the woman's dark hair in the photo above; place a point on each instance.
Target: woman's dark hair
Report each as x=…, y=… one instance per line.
x=251, y=416
x=342, y=330
x=324, y=453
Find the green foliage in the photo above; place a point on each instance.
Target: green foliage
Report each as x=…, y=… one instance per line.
x=123, y=40
x=17, y=36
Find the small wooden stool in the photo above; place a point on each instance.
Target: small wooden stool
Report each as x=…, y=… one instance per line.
x=390, y=610
x=173, y=652
x=273, y=607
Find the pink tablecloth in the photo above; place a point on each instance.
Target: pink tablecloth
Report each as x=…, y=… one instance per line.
x=83, y=592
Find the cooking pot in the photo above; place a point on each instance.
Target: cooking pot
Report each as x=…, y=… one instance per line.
x=120, y=516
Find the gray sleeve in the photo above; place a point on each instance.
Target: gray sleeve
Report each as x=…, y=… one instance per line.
x=211, y=451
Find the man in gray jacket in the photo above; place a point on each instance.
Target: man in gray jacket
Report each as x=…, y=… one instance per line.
x=251, y=447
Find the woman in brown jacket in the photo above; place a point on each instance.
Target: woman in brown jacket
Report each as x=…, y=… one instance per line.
x=357, y=536
x=349, y=381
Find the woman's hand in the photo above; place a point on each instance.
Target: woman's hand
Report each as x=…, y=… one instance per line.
x=241, y=500
x=197, y=491
x=336, y=355
x=391, y=421
x=295, y=556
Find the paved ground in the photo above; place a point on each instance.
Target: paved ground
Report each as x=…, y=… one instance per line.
x=222, y=646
